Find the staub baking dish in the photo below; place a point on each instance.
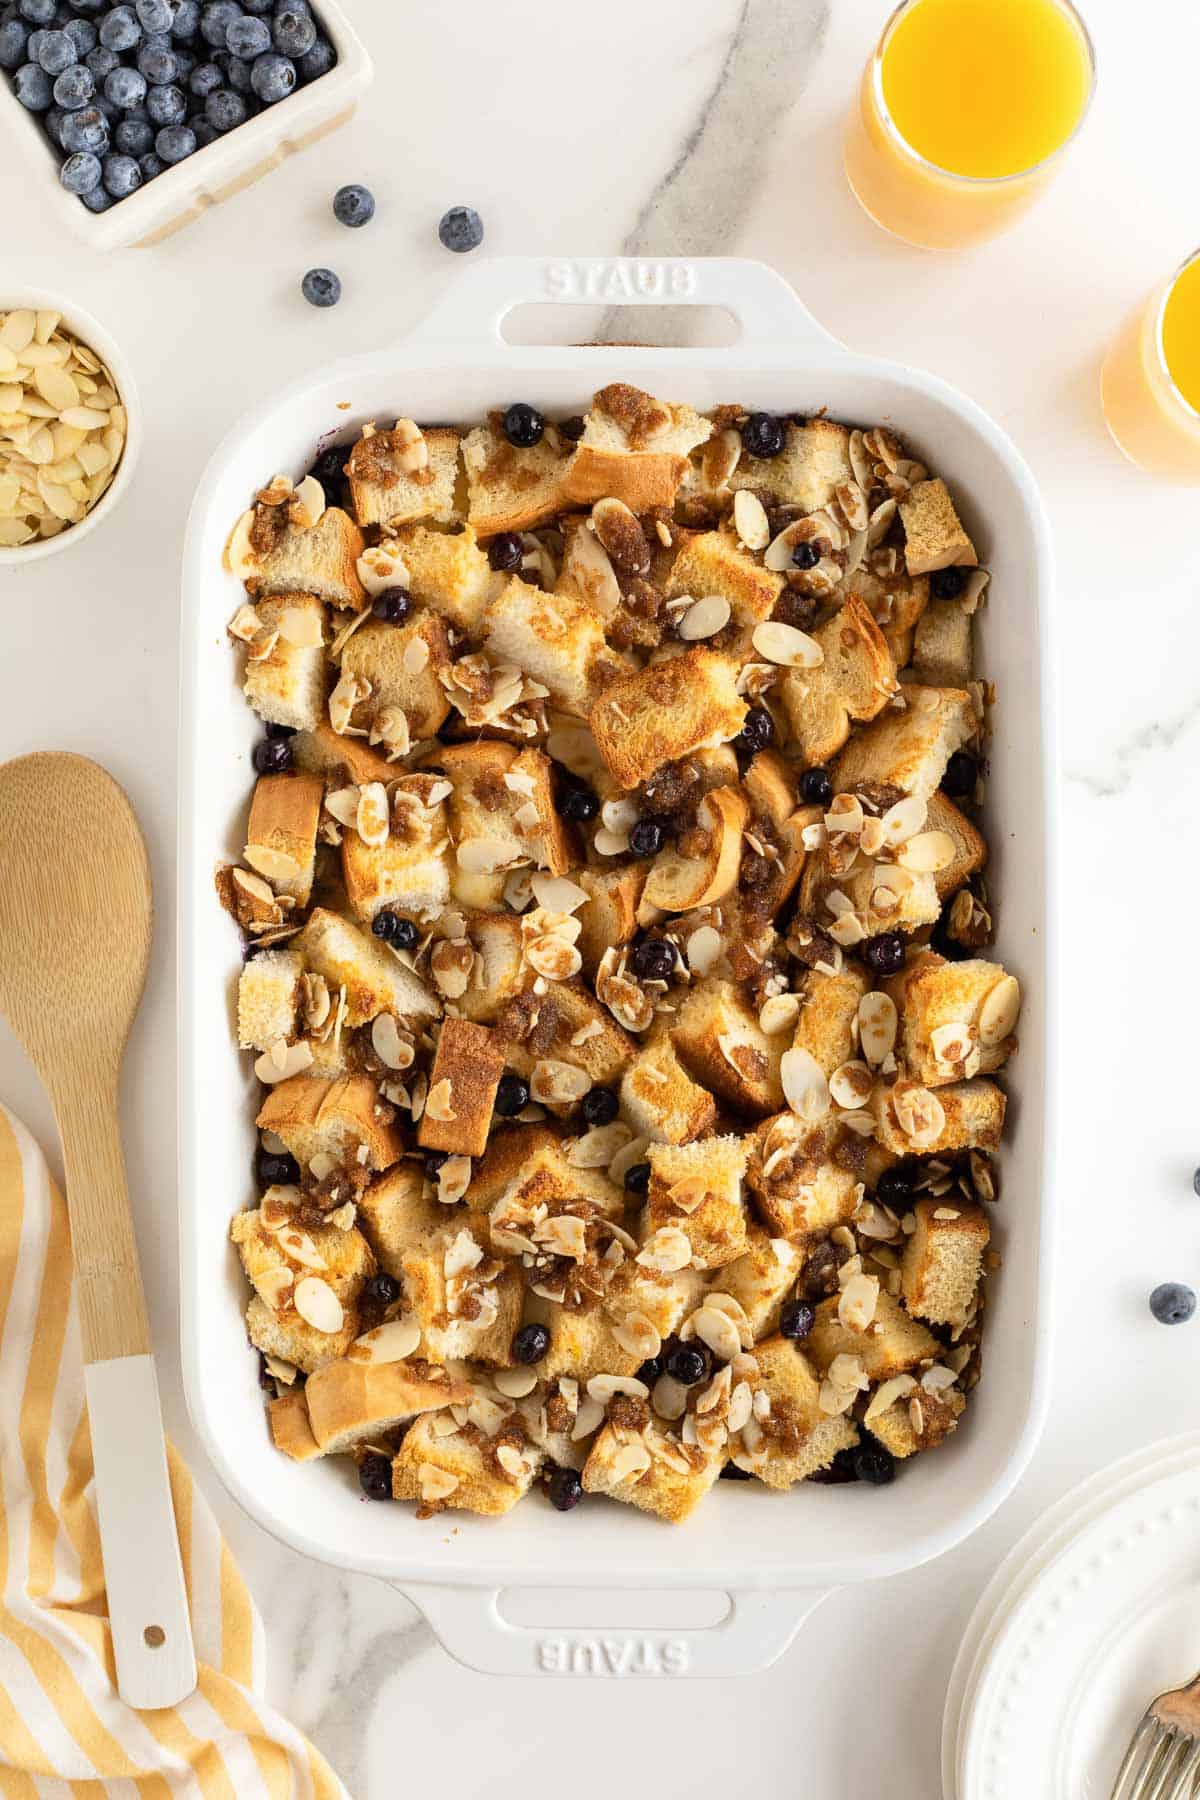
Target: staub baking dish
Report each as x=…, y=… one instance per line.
x=775, y=1555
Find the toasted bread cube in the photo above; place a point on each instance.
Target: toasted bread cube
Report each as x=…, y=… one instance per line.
x=281, y=834
x=462, y=1313
x=287, y=686
x=408, y=873
x=697, y=1189
x=714, y=562
x=320, y=559
x=502, y=809
x=510, y=489
x=448, y=572
x=872, y=895
x=445, y=1468
x=721, y=1042
x=498, y=971
x=943, y=1260
x=347, y=761
x=654, y=1471
x=665, y=1300
x=854, y=682
x=970, y=850
x=797, y=1189
x=401, y=664
x=634, y=448
x=373, y=976
x=937, y=1415
x=909, y=747
x=553, y=637
x=666, y=711
x=933, y=994
x=529, y=1165
x=466, y=1072
x=659, y=1099
x=942, y=654
x=396, y=1214
x=342, y=1260
x=350, y=1400
x=933, y=532
x=814, y=461
x=550, y=840
x=343, y=1118
x=384, y=492
x=828, y=1018
x=796, y=1438
x=892, y=1344
x=894, y=598
x=585, y=1034
x=269, y=999
x=582, y=1344
x=290, y=1430
x=761, y=1278
x=967, y=1116
x=610, y=914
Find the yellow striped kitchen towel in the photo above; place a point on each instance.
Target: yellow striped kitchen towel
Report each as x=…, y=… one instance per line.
x=65, y=1733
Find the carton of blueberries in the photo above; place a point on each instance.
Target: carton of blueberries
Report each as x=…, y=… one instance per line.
x=145, y=112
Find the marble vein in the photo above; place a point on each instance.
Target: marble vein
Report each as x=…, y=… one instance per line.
x=1127, y=756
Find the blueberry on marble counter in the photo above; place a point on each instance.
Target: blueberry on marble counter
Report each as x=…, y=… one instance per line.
x=81, y=172
x=461, y=229
x=1172, y=1302
x=354, y=205
x=321, y=287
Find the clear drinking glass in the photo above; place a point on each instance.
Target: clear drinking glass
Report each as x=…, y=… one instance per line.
x=1150, y=383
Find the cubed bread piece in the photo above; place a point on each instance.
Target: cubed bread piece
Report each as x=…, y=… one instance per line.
x=652, y=1470
x=509, y=489
x=409, y=872
x=281, y=834
x=894, y=598
x=396, y=1214
x=815, y=459
x=582, y=1344
x=659, y=1099
x=880, y=898
x=970, y=850
x=917, y=1421
x=468, y=1304
x=933, y=532
x=795, y=1438
x=715, y=562
x=346, y=761
x=373, y=976
x=609, y=916
x=943, y=1260
x=828, y=1018
x=286, y=674
x=761, y=1277
x=385, y=489
x=942, y=655
x=497, y=971
x=721, y=1042
x=300, y=1275
x=665, y=711
x=350, y=1400
x=464, y=1470
x=556, y=639
x=703, y=866
x=287, y=1336
x=956, y=1018
x=697, y=1189
x=529, y=1166
x=893, y=1343
x=551, y=841
x=855, y=681
x=573, y=1027
x=448, y=572
x=662, y=1299
x=401, y=665
x=909, y=747
x=269, y=999
x=290, y=1430
x=502, y=808
x=778, y=824
x=634, y=448
x=911, y=1120
x=466, y=1072
x=320, y=559
x=341, y=1117
x=797, y=1189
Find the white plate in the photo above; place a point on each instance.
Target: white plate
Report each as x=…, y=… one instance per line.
x=1107, y=1623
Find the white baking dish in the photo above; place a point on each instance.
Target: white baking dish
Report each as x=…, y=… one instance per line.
x=775, y=1554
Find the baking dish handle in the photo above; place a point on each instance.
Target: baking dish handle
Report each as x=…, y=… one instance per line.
x=479, y=300
x=757, y=1629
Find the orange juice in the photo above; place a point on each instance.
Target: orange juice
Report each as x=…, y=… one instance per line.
x=1150, y=385
x=962, y=112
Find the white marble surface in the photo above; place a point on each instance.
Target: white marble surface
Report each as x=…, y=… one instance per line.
x=711, y=127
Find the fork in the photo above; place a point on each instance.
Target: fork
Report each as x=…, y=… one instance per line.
x=1163, y=1758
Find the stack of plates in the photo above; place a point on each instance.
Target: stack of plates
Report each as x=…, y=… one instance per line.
x=1095, y=1611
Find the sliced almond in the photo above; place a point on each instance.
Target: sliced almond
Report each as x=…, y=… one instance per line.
x=318, y=1305
x=274, y=1286
x=393, y=1341
x=928, y=853
x=606, y=1387
x=705, y=617
x=787, y=645
x=1000, y=1012
x=779, y=1013
x=805, y=1086
x=718, y=1331
x=877, y=1021
x=850, y=1086
x=393, y=1051
x=271, y=1069
x=750, y=520
x=372, y=815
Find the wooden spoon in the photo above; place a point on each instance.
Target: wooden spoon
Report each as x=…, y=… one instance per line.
x=75, y=927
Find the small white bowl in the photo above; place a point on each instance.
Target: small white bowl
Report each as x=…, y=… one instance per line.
x=90, y=332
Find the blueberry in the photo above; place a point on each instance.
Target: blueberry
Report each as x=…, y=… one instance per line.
x=600, y=1106
x=646, y=838
x=14, y=37
x=947, y=584
x=151, y=165
x=375, y=1475
x=393, y=605
x=523, y=426
x=38, y=12
x=159, y=65
x=293, y=30
x=731, y=1472
x=318, y=61
x=185, y=20
x=258, y=7
x=579, y=804
x=272, y=77
x=433, y=1162
x=796, y=1319
x=506, y=550
x=153, y=15
x=805, y=556
x=330, y=470
x=238, y=75
x=133, y=137
x=1196, y=1181
x=224, y=109
x=393, y=929
x=81, y=172
x=215, y=20
x=282, y=732
x=816, y=787
x=248, y=37
x=531, y=1343
x=119, y=30
x=126, y=88
x=32, y=87
x=271, y=755
x=166, y=106
x=461, y=229
x=354, y=205
x=204, y=79
x=757, y=731
x=97, y=199
x=874, y=1464
x=842, y=1468
x=960, y=776
x=321, y=287
x=895, y=1187
x=381, y=1291
x=83, y=34
x=573, y=429
x=74, y=87
x=884, y=955
x=653, y=960
x=101, y=62
x=55, y=52
x=565, y=1489
x=277, y=1170
x=650, y=1370
x=763, y=435
x=687, y=1364
x=1172, y=1303
x=122, y=176
x=203, y=132
x=108, y=112
x=637, y=1178
x=52, y=120
x=512, y=1096
x=86, y=130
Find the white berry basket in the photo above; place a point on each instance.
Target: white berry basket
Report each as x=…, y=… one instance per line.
x=216, y=172
x=774, y=1555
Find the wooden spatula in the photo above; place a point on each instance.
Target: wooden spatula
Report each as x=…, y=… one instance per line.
x=75, y=925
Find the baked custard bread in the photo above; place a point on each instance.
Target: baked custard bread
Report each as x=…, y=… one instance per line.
x=618, y=956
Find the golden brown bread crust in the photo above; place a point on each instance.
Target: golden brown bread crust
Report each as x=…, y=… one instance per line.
x=664, y=712
x=346, y=1108
x=470, y=1062
x=281, y=834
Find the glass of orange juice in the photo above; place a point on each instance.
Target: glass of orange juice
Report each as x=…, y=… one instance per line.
x=1150, y=384
x=963, y=114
